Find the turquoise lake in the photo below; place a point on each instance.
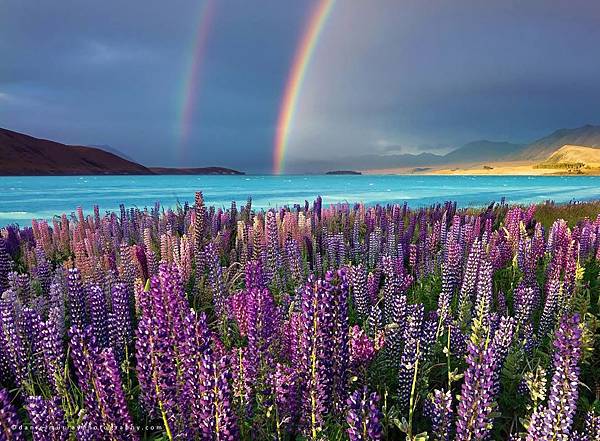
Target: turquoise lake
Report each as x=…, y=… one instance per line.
x=24, y=198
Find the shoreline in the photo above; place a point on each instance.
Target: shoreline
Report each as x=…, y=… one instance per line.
x=516, y=168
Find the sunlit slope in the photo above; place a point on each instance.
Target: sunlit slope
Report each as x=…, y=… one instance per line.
x=573, y=156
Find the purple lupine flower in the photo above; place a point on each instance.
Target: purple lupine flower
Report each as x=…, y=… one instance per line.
x=111, y=398
x=219, y=422
x=87, y=430
x=591, y=430
x=441, y=414
x=362, y=350
x=77, y=306
x=254, y=276
x=501, y=341
x=374, y=247
x=554, y=420
x=195, y=350
x=451, y=269
x=54, y=354
x=12, y=344
x=374, y=321
x=56, y=303
x=469, y=282
x=525, y=300
x=145, y=368
x=42, y=270
x=429, y=334
x=294, y=260
x=127, y=271
x=316, y=353
x=373, y=280
x=98, y=314
x=410, y=355
x=397, y=312
x=5, y=265
x=179, y=374
x=548, y=318
x=286, y=396
x=120, y=327
x=476, y=401
x=47, y=419
x=273, y=253
x=360, y=295
x=215, y=279
x=341, y=344
x=10, y=425
x=363, y=416
x=263, y=328
x=481, y=383
x=99, y=380
x=30, y=328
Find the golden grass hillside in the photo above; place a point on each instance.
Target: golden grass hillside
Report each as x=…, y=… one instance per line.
x=573, y=156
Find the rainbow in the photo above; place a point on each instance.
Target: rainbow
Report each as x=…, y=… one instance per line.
x=193, y=76
x=304, y=53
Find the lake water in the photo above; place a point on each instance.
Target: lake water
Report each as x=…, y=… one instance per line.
x=24, y=198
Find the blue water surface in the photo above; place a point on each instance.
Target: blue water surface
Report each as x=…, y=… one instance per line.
x=24, y=198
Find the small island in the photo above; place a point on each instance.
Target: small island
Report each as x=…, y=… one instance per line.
x=343, y=172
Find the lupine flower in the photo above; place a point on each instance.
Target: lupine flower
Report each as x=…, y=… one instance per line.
x=363, y=416
x=358, y=281
x=120, y=328
x=5, y=265
x=10, y=425
x=411, y=354
x=98, y=314
x=77, y=306
x=318, y=362
x=215, y=279
x=441, y=414
x=12, y=344
x=99, y=380
x=363, y=349
x=286, y=396
x=554, y=420
x=47, y=419
x=480, y=386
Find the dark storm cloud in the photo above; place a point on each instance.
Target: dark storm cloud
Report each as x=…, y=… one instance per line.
x=115, y=73
x=387, y=76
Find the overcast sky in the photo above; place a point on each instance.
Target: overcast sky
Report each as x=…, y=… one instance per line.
x=386, y=75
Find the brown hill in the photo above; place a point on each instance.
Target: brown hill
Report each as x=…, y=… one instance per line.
x=573, y=156
x=25, y=155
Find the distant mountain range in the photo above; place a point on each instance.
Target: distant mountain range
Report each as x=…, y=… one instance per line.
x=473, y=152
x=482, y=151
x=588, y=136
x=23, y=155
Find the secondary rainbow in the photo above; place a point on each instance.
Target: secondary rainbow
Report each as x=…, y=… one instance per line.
x=302, y=59
x=193, y=76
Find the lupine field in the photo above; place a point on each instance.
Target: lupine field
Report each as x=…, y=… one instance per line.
x=305, y=322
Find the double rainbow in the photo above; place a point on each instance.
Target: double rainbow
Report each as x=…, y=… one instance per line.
x=302, y=59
